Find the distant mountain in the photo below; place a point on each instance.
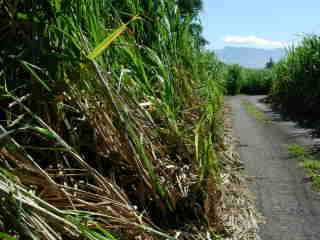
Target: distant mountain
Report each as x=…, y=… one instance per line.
x=249, y=57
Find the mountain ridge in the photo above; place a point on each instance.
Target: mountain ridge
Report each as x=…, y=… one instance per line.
x=249, y=56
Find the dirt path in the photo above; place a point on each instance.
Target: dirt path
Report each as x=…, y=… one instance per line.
x=291, y=208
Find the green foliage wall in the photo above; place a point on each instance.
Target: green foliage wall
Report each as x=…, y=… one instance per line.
x=296, y=88
x=257, y=81
x=234, y=79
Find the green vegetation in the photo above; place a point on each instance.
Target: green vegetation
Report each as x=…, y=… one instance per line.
x=110, y=121
x=5, y=236
x=257, y=81
x=255, y=112
x=248, y=81
x=298, y=151
x=307, y=161
x=296, y=88
x=233, y=79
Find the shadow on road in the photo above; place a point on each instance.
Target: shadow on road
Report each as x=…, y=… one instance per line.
x=303, y=125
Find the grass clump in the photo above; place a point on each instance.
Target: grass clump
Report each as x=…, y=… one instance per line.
x=298, y=151
x=308, y=162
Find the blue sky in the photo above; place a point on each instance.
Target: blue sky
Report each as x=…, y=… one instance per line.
x=258, y=23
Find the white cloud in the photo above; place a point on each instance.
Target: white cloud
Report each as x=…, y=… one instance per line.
x=253, y=40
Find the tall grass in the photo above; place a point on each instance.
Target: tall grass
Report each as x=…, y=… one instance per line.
x=110, y=120
x=296, y=88
x=238, y=79
x=233, y=79
x=257, y=81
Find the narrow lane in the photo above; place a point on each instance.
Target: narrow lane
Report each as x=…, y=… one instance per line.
x=291, y=208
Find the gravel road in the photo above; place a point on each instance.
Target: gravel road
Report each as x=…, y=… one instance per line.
x=291, y=208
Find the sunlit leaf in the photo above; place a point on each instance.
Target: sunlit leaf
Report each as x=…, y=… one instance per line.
x=108, y=40
x=44, y=132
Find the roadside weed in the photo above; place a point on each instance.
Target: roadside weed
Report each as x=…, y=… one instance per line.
x=308, y=162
